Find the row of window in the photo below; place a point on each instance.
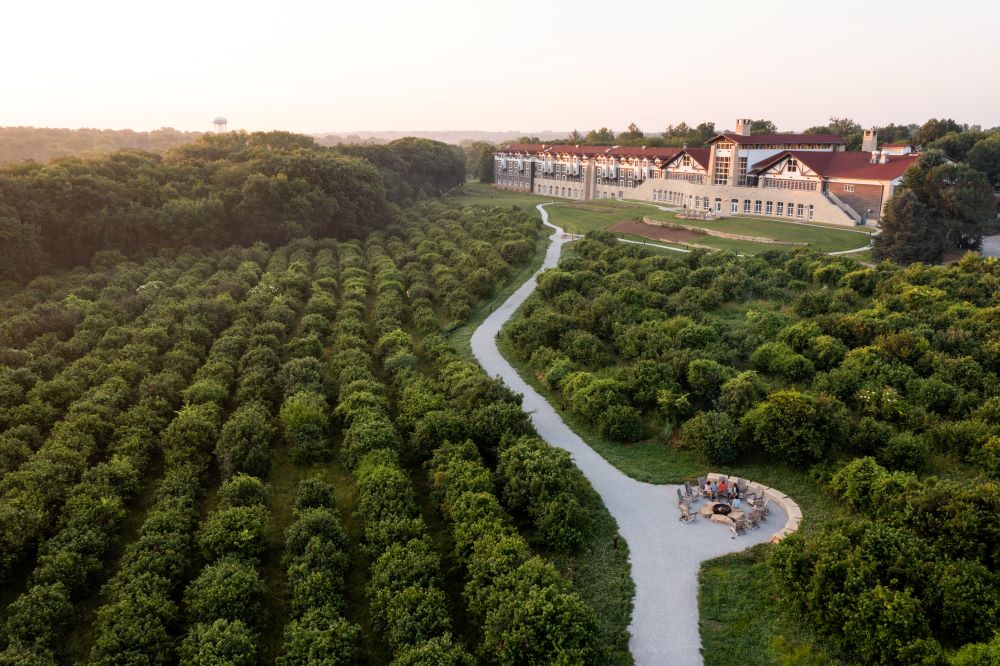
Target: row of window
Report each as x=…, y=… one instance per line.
x=757, y=207
x=557, y=191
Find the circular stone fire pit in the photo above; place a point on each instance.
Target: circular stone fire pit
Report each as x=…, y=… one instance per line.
x=721, y=509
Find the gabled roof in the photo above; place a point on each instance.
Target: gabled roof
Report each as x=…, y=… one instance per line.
x=854, y=165
x=760, y=139
x=699, y=155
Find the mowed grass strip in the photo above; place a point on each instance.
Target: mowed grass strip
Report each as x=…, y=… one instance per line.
x=580, y=217
x=818, y=236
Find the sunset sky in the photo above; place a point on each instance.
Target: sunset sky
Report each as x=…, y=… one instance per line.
x=508, y=65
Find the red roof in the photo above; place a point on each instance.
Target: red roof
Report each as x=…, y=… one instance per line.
x=853, y=165
x=699, y=155
x=584, y=151
x=758, y=139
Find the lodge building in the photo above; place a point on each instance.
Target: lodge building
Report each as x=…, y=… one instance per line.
x=798, y=176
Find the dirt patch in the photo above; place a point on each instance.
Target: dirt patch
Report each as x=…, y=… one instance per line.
x=651, y=232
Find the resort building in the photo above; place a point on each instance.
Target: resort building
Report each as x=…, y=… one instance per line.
x=798, y=176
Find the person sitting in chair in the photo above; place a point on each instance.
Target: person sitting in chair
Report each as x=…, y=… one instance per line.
x=723, y=490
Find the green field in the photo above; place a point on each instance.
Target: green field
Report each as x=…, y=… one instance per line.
x=823, y=237
x=581, y=217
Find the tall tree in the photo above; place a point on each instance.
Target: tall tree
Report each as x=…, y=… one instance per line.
x=632, y=132
x=985, y=158
x=601, y=137
x=574, y=138
x=908, y=232
x=21, y=255
x=962, y=202
x=763, y=127
x=956, y=145
x=934, y=129
x=479, y=160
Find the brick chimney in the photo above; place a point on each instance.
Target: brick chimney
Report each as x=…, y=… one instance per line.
x=743, y=126
x=870, y=143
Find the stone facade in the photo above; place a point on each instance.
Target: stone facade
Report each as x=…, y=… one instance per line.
x=801, y=177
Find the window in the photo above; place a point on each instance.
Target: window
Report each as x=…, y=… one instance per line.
x=746, y=205
x=792, y=166
x=811, y=211
x=848, y=188
x=790, y=209
x=697, y=202
x=734, y=206
x=718, y=205
x=704, y=203
x=781, y=208
x=741, y=171
x=769, y=208
x=721, y=171
x=756, y=207
x=800, y=211
x=686, y=161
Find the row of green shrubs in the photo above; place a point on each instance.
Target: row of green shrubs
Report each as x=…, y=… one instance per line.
x=90, y=520
x=224, y=604
x=140, y=618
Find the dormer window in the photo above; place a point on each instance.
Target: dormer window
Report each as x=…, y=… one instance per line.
x=793, y=165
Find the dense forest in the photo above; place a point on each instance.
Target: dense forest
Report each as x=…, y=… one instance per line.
x=44, y=144
x=274, y=455
x=880, y=380
x=219, y=190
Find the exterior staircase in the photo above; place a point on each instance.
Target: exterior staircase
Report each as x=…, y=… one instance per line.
x=850, y=212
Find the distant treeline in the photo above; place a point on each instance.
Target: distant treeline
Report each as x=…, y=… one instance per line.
x=233, y=188
x=43, y=144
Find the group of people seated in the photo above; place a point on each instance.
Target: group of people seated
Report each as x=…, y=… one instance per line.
x=721, y=491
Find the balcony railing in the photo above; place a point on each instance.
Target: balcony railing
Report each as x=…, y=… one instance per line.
x=781, y=184
x=696, y=178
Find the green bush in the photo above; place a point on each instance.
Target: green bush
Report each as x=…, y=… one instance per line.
x=713, y=435
x=304, y=423
x=219, y=642
x=245, y=443
x=240, y=531
x=320, y=636
x=796, y=427
x=621, y=423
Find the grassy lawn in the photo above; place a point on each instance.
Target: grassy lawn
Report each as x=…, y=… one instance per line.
x=583, y=216
x=743, y=620
x=576, y=217
x=819, y=236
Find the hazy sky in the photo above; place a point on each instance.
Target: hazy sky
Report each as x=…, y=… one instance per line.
x=505, y=65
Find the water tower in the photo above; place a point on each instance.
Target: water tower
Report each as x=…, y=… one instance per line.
x=220, y=124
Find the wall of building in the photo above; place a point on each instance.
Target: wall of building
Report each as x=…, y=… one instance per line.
x=824, y=210
x=865, y=196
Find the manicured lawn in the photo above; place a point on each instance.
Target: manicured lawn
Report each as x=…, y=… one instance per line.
x=820, y=237
x=577, y=217
x=583, y=216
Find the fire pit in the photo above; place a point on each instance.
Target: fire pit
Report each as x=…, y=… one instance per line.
x=721, y=509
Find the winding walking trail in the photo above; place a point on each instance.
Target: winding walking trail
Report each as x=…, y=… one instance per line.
x=666, y=554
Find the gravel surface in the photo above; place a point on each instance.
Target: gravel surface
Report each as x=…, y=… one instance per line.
x=665, y=553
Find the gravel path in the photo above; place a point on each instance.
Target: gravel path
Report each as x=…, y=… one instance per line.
x=665, y=553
